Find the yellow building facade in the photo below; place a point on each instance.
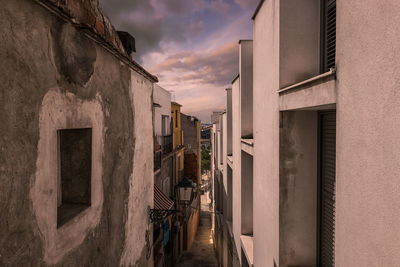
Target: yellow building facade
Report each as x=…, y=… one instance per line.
x=177, y=141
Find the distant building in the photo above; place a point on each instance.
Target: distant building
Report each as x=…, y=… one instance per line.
x=164, y=165
x=191, y=136
x=177, y=141
x=164, y=192
x=215, y=116
x=206, y=132
x=191, y=140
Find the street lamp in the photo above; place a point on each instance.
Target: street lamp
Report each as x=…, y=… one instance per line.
x=185, y=191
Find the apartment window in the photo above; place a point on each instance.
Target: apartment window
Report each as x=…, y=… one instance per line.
x=164, y=125
x=247, y=194
x=176, y=118
x=328, y=34
x=74, y=173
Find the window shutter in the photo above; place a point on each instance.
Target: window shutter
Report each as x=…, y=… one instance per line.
x=329, y=34
x=327, y=189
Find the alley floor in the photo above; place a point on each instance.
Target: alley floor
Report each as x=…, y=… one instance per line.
x=201, y=253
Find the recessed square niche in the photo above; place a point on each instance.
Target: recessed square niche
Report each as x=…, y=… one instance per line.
x=74, y=173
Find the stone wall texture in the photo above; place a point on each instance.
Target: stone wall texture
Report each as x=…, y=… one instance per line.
x=48, y=62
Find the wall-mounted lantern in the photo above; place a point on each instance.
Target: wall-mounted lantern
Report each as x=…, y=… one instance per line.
x=185, y=192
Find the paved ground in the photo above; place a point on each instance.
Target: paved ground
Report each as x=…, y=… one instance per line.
x=201, y=254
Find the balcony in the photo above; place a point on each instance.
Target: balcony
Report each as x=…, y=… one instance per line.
x=167, y=144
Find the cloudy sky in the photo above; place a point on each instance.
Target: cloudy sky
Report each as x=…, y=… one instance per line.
x=191, y=45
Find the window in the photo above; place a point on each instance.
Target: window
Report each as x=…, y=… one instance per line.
x=328, y=34
x=74, y=173
x=164, y=125
x=176, y=118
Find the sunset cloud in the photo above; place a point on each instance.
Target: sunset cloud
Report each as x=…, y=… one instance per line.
x=191, y=45
x=246, y=3
x=214, y=67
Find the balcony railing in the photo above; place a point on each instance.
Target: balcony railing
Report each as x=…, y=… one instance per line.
x=157, y=160
x=167, y=144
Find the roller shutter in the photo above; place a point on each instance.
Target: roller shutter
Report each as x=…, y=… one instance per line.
x=328, y=34
x=327, y=182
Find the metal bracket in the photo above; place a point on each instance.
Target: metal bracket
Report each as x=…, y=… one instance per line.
x=157, y=215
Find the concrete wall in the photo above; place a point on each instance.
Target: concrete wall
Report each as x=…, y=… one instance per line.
x=368, y=170
x=298, y=188
x=229, y=120
x=224, y=160
x=299, y=48
x=54, y=77
x=236, y=176
x=366, y=97
x=215, y=116
x=246, y=87
x=266, y=134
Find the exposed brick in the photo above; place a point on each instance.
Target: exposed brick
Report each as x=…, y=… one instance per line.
x=100, y=27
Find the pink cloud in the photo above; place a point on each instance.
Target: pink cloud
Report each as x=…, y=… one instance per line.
x=217, y=66
x=246, y=3
x=220, y=7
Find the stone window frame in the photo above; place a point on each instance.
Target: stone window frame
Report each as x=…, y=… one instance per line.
x=80, y=205
x=60, y=110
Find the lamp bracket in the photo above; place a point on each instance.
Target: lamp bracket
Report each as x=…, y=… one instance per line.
x=158, y=215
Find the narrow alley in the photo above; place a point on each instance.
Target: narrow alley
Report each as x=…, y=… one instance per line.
x=201, y=253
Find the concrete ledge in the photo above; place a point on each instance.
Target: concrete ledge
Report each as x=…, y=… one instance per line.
x=248, y=146
x=230, y=161
x=317, y=93
x=247, y=246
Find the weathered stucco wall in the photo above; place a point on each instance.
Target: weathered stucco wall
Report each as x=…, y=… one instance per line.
x=141, y=181
x=52, y=75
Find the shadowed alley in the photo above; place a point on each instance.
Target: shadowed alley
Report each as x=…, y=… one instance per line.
x=201, y=252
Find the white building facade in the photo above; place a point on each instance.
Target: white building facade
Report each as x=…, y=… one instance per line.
x=313, y=155
x=162, y=114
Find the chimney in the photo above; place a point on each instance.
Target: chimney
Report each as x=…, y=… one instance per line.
x=128, y=42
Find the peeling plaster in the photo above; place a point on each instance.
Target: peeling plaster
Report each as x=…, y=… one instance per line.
x=141, y=181
x=60, y=111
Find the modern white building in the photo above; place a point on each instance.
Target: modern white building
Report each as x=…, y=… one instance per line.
x=162, y=116
x=315, y=165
